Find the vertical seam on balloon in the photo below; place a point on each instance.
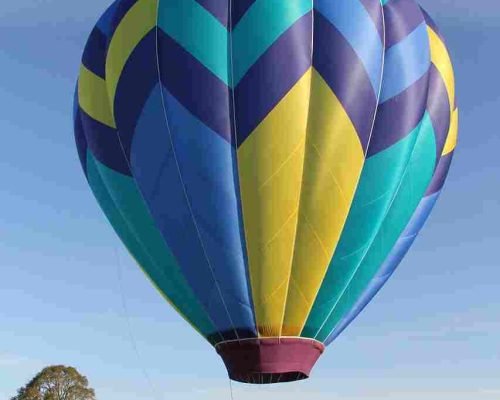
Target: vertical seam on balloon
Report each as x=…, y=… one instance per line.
x=111, y=104
x=437, y=158
x=377, y=231
x=140, y=193
x=368, y=247
x=143, y=247
x=285, y=302
x=334, y=333
x=241, y=220
x=360, y=173
x=132, y=230
x=379, y=89
x=180, y=176
x=137, y=237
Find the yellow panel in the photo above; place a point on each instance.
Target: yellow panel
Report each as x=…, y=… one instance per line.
x=270, y=167
x=441, y=59
x=451, y=139
x=333, y=162
x=136, y=24
x=93, y=97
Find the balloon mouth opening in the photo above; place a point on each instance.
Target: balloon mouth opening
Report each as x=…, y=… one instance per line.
x=262, y=378
x=270, y=360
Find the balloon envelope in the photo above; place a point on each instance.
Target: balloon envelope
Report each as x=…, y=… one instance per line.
x=267, y=163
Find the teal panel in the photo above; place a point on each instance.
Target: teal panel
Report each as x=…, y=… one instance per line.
x=264, y=22
x=204, y=37
x=198, y=32
x=413, y=186
x=380, y=179
x=123, y=206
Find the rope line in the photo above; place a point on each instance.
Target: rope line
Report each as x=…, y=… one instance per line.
x=183, y=184
x=231, y=389
x=133, y=342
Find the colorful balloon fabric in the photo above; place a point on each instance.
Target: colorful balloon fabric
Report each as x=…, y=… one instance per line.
x=267, y=163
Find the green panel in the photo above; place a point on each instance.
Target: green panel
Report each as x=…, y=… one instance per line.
x=415, y=182
x=380, y=178
x=123, y=206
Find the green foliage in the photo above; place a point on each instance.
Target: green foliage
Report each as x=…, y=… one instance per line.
x=56, y=382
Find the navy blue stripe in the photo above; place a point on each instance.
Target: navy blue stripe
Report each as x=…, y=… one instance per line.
x=121, y=9
x=440, y=174
x=438, y=106
x=218, y=8
x=276, y=72
x=238, y=9
x=430, y=22
x=399, y=116
x=94, y=55
x=193, y=85
x=374, y=8
x=401, y=18
x=106, y=20
x=81, y=141
x=104, y=143
x=137, y=80
x=343, y=71
x=167, y=179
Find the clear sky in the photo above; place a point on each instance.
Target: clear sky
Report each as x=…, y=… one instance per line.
x=433, y=332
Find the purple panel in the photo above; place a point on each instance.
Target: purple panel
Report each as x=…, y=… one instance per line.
x=375, y=10
x=104, y=144
x=137, y=80
x=438, y=107
x=81, y=142
x=430, y=22
x=398, y=116
x=238, y=9
x=440, y=174
x=401, y=18
x=94, y=55
x=218, y=8
x=121, y=8
x=341, y=68
x=272, y=76
x=194, y=86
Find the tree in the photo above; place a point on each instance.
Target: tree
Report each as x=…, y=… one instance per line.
x=56, y=382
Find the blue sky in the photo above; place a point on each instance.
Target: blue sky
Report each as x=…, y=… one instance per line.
x=432, y=333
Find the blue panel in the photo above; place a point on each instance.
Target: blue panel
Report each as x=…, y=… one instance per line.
x=205, y=247
x=81, y=141
x=94, y=55
x=207, y=163
x=390, y=264
x=405, y=63
x=105, y=23
x=354, y=22
x=104, y=143
x=120, y=9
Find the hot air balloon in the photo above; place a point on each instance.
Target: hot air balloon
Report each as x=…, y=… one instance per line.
x=267, y=163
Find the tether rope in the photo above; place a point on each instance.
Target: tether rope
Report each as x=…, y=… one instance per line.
x=133, y=342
